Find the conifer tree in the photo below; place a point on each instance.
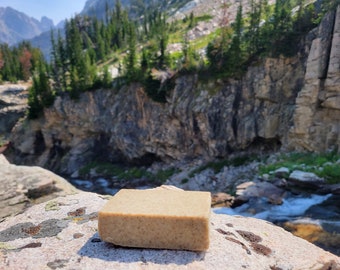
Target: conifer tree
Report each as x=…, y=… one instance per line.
x=252, y=34
x=218, y=48
x=35, y=107
x=144, y=61
x=131, y=58
x=107, y=78
x=189, y=56
x=235, y=52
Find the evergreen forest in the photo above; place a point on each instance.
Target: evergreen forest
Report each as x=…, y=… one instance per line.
x=84, y=52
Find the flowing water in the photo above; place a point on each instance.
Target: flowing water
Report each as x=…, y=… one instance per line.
x=313, y=217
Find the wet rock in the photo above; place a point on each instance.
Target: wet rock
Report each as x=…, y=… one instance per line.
x=280, y=183
x=221, y=199
x=241, y=188
x=327, y=210
x=335, y=189
x=267, y=190
x=315, y=233
x=236, y=242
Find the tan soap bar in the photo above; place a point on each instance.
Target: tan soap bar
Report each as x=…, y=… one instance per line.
x=156, y=218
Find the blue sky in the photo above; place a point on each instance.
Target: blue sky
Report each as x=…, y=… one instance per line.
x=56, y=10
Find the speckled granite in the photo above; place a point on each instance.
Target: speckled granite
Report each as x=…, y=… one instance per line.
x=21, y=186
x=62, y=234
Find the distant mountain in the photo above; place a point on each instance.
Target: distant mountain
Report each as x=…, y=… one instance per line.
x=136, y=8
x=16, y=26
x=97, y=7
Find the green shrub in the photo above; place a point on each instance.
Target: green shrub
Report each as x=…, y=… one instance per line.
x=163, y=175
x=126, y=173
x=331, y=173
x=309, y=162
x=218, y=165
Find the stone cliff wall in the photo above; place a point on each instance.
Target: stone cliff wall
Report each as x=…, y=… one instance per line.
x=13, y=104
x=317, y=115
x=286, y=102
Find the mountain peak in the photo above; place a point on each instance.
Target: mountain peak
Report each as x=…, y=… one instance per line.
x=17, y=26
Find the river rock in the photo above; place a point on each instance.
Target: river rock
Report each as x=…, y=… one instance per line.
x=282, y=172
x=62, y=233
x=315, y=233
x=22, y=185
x=306, y=179
x=267, y=190
x=222, y=199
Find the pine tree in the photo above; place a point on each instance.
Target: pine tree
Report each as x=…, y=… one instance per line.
x=235, y=52
x=107, y=78
x=189, y=56
x=35, y=107
x=40, y=93
x=163, y=39
x=218, y=48
x=45, y=89
x=144, y=61
x=253, y=32
x=131, y=58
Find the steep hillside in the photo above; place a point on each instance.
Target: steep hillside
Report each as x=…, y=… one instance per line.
x=16, y=26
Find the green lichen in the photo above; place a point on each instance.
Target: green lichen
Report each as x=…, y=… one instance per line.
x=6, y=246
x=52, y=206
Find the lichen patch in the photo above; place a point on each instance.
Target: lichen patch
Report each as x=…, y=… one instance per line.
x=77, y=213
x=32, y=230
x=57, y=264
x=249, y=236
x=52, y=206
x=261, y=249
x=47, y=228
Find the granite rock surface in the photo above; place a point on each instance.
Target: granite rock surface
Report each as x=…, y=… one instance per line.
x=21, y=186
x=62, y=233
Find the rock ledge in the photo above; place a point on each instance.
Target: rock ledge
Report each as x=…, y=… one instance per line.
x=62, y=233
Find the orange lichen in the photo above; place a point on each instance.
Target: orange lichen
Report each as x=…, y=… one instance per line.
x=77, y=213
x=34, y=230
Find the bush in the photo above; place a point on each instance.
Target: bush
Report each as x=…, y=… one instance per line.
x=309, y=162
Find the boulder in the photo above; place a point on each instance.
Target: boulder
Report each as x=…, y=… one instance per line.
x=282, y=172
x=62, y=233
x=21, y=185
x=305, y=179
x=266, y=190
x=221, y=199
x=315, y=233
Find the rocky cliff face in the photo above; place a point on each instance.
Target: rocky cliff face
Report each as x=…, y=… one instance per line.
x=286, y=102
x=13, y=105
x=317, y=115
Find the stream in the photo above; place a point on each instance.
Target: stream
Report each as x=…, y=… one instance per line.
x=313, y=217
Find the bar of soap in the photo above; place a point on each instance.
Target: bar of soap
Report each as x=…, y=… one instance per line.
x=156, y=218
